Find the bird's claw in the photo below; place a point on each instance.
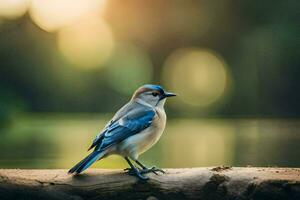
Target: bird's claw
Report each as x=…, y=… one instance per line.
x=141, y=177
x=153, y=170
x=135, y=172
x=129, y=171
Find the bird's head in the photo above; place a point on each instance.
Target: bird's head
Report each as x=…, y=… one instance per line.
x=154, y=95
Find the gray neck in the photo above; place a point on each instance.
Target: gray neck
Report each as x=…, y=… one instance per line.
x=140, y=101
x=160, y=104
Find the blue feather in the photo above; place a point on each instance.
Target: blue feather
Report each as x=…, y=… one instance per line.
x=154, y=87
x=129, y=125
x=123, y=125
x=86, y=162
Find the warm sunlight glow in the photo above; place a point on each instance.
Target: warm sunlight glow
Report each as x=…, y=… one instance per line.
x=129, y=66
x=12, y=9
x=198, y=75
x=209, y=142
x=86, y=44
x=51, y=15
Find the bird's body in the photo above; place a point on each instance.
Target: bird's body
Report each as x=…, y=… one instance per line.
x=137, y=144
x=134, y=129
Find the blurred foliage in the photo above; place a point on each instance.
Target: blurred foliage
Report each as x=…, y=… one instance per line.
x=41, y=51
x=230, y=59
x=10, y=105
x=48, y=141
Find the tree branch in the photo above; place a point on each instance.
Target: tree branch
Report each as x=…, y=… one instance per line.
x=195, y=183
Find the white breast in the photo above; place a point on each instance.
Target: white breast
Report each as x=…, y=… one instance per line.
x=141, y=142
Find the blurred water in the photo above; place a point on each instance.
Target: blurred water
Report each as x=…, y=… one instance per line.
x=59, y=141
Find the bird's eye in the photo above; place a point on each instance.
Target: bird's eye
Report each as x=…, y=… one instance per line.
x=154, y=94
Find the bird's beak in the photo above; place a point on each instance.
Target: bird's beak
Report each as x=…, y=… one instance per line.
x=169, y=94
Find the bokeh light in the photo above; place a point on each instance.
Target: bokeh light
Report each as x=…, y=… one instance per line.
x=198, y=75
x=209, y=142
x=12, y=9
x=129, y=68
x=88, y=43
x=51, y=15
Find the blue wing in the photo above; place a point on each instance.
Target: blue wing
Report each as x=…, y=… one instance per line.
x=129, y=125
x=134, y=120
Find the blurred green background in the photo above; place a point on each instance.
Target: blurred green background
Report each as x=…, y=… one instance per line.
x=67, y=65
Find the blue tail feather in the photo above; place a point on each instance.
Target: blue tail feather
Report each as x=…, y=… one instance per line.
x=86, y=162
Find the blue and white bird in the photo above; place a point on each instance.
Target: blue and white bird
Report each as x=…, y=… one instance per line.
x=134, y=129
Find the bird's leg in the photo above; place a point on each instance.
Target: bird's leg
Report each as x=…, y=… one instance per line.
x=146, y=170
x=130, y=171
x=134, y=171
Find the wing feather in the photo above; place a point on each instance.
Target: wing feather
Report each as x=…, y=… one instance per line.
x=125, y=127
x=129, y=120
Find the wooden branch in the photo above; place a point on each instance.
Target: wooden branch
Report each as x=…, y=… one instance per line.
x=196, y=183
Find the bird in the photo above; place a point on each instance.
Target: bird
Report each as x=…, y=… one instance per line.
x=133, y=130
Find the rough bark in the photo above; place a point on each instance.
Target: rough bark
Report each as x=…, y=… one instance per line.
x=195, y=183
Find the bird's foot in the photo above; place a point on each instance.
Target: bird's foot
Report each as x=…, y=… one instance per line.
x=135, y=172
x=129, y=171
x=152, y=169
